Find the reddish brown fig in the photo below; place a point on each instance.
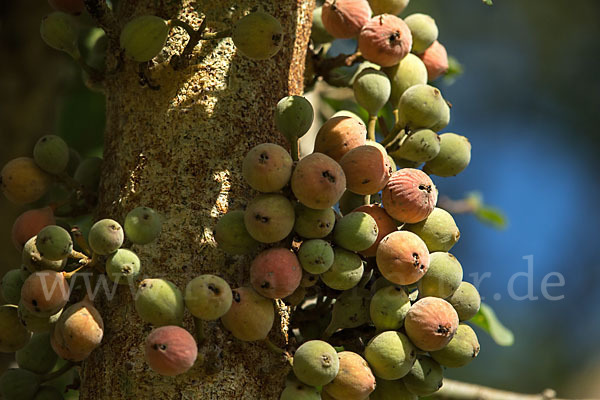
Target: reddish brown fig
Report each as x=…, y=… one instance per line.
x=78, y=331
x=385, y=226
x=170, y=350
x=409, y=196
x=402, y=258
x=435, y=59
x=318, y=181
x=44, y=293
x=276, y=273
x=339, y=135
x=354, y=380
x=431, y=323
x=367, y=169
x=385, y=40
x=343, y=19
x=251, y=315
x=29, y=224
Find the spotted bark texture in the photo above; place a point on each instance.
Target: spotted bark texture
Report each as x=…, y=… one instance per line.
x=179, y=150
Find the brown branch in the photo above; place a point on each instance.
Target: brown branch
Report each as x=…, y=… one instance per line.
x=467, y=391
x=324, y=66
x=103, y=16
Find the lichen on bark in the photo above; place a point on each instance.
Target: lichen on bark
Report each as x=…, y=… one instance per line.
x=179, y=150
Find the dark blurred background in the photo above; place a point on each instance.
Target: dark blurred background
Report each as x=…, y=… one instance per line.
x=528, y=101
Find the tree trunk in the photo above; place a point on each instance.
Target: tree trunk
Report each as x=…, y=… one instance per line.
x=179, y=150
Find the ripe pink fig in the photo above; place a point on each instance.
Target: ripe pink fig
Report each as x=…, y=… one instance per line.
x=318, y=181
x=45, y=292
x=367, y=169
x=354, y=380
x=409, y=196
x=29, y=224
x=385, y=40
x=343, y=19
x=385, y=225
x=435, y=59
x=339, y=135
x=402, y=258
x=276, y=273
x=431, y=323
x=170, y=350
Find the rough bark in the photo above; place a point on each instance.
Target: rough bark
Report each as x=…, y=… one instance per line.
x=179, y=150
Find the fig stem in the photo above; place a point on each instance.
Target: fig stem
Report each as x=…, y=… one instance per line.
x=53, y=375
x=194, y=37
x=277, y=350
x=294, y=148
x=80, y=240
x=324, y=66
x=371, y=127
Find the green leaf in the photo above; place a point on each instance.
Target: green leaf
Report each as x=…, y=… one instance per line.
x=492, y=216
x=488, y=2
x=486, y=319
x=455, y=69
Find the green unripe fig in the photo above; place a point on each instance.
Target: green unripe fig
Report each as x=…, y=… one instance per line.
x=350, y=310
x=316, y=363
x=299, y=391
x=392, y=390
x=350, y=201
x=58, y=30
x=11, y=285
x=123, y=266
x=422, y=106
x=267, y=167
x=54, y=243
x=88, y=172
x=461, y=350
x=13, y=335
x=51, y=154
x=232, y=236
x=466, y=301
x=453, y=158
x=258, y=35
x=431, y=323
x=443, y=276
x=356, y=231
x=371, y=90
x=318, y=33
x=208, y=297
x=142, y=225
x=294, y=116
x=407, y=73
x=308, y=279
x=38, y=356
x=106, y=236
x=346, y=113
x=425, y=377
x=385, y=226
x=48, y=393
x=19, y=384
x=35, y=323
x=393, y=7
x=346, y=271
x=269, y=218
x=419, y=146
x=389, y=307
x=33, y=261
x=438, y=230
x=316, y=256
x=144, y=37
x=159, y=302
x=391, y=355
x=313, y=224
x=354, y=380
x=424, y=31
x=250, y=316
